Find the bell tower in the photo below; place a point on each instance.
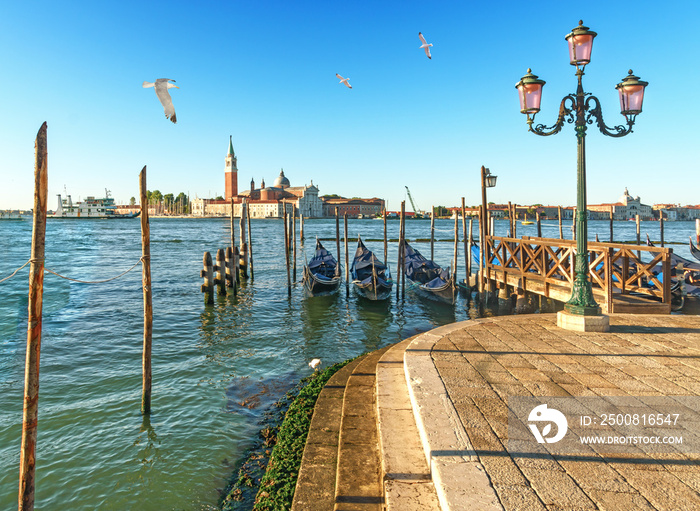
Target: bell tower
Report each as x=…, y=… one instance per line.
x=231, y=172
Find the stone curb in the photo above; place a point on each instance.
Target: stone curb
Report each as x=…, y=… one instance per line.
x=460, y=480
x=405, y=473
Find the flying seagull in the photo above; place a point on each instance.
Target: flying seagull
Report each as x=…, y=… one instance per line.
x=426, y=46
x=162, y=85
x=344, y=80
x=314, y=363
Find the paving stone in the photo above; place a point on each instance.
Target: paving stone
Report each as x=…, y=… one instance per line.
x=518, y=498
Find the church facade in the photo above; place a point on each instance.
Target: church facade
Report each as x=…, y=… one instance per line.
x=263, y=201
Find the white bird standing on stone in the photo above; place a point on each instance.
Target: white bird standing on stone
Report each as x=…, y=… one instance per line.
x=162, y=85
x=314, y=363
x=344, y=80
x=426, y=46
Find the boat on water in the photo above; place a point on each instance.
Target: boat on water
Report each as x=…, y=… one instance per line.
x=91, y=207
x=695, y=251
x=427, y=278
x=10, y=215
x=321, y=273
x=525, y=221
x=370, y=277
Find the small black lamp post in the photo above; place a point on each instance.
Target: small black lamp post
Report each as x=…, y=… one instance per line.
x=582, y=109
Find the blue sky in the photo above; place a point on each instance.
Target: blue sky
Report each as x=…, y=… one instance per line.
x=264, y=72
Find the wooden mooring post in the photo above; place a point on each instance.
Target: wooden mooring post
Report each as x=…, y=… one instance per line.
x=207, y=273
x=30, y=411
x=466, y=247
x=250, y=240
x=611, y=224
x=402, y=249
x=243, y=244
x=454, y=252
x=661, y=227
x=432, y=235
x=386, y=246
x=539, y=224
x=147, y=296
x=697, y=231
x=481, y=250
x=469, y=258
x=231, y=273
x=286, y=252
x=638, y=232
x=347, y=262
x=398, y=258
x=561, y=232
x=233, y=281
x=294, y=241
x=301, y=228
x=220, y=269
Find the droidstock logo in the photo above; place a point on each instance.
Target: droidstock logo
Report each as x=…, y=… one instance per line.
x=541, y=413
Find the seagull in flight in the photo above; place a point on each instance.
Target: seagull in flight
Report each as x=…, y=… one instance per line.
x=344, y=80
x=162, y=85
x=426, y=46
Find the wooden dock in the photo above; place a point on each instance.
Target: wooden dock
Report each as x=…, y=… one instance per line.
x=622, y=281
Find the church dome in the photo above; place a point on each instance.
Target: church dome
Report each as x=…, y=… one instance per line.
x=281, y=181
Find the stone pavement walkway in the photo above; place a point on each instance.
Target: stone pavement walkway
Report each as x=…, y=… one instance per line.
x=462, y=376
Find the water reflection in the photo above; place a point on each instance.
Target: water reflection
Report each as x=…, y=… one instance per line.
x=147, y=442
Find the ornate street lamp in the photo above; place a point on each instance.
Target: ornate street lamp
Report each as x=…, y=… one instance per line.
x=581, y=109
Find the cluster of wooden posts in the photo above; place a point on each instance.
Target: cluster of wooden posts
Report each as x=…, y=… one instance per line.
x=233, y=263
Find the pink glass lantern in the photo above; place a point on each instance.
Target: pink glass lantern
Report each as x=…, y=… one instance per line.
x=530, y=93
x=631, y=91
x=580, y=45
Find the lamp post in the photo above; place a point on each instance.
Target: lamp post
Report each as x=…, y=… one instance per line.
x=487, y=181
x=581, y=109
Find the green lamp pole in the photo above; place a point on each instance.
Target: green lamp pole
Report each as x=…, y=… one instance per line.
x=581, y=109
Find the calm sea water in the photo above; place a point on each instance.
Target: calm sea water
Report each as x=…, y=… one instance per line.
x=215, y=368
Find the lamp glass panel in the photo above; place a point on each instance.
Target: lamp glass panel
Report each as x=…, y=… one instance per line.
x=490, y=181
x=530, y=97
x=631, y=97
x=580, y=47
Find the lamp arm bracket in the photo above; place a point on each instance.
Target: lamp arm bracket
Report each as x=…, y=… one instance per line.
x=565, y=115
x=596, y=113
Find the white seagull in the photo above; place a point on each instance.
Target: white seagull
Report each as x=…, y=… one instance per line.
x=162, y=85
x=426, y=46
x=344, y=80
x=314, y=363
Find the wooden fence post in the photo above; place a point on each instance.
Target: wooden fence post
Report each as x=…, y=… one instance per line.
x=639, y=240
x=250, y=240
x=30, y=412
x=539, y=224
x=147, y=295
x=208, y=274
x=220, y=269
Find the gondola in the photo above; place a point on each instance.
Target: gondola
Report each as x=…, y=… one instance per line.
x=427, y=278
x=321, y=273
x=370, y=277
x=695, y=251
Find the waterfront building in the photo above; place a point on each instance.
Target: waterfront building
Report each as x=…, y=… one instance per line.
x=627, y=207
x=354, y=208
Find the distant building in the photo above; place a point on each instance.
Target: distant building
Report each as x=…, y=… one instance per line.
x=354, y=208
x=627, y=207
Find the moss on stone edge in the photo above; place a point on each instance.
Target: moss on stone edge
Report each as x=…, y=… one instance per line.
x=277, y=485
